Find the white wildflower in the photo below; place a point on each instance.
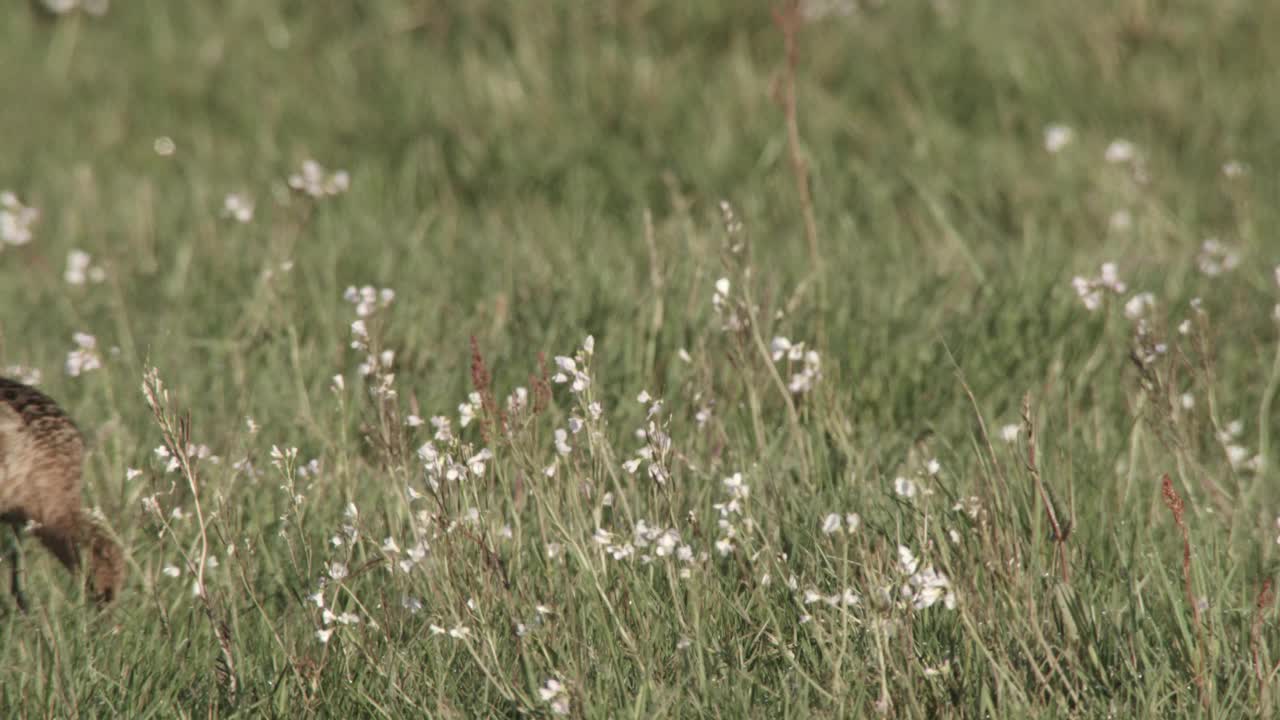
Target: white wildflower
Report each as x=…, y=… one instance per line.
x=238, y=207
x=1139, y=305
x=831, y=524
x=85, y=357
x=904, y=487
x=313, y=180
x=852, y=522
x=1121, y=151
x=16, y=220
x=1057, y=137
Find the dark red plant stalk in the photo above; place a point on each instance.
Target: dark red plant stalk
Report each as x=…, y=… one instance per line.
x=1265, y=598
x=789, y=17
x=1174, y=502
x=541, y=386
x=492, y=419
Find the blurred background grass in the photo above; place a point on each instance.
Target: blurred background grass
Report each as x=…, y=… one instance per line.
x=502, y=157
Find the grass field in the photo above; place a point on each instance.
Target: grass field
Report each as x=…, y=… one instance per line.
x=573, y=383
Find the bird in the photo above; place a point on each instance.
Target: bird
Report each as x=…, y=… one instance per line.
x=41, y=456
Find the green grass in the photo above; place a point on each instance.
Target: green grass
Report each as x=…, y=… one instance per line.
x=503, y=158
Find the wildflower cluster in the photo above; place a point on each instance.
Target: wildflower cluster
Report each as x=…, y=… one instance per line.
x=738, y=492
x=16, y=220
x=1215, y=258
x=446, y=459
x=1123, y=152
x=315, y=181
x=80, y=268
x=333, y=582
x=573, y=370
x=924, y=586
x=238, y=207
x=1091, y=290
x=805, y=366
x=377, y=363
x=554, y=693
x=665, y=543
x=1238, y=455
x=835, y=523
x=654, y=454
x=85, y=356
x=725, y=309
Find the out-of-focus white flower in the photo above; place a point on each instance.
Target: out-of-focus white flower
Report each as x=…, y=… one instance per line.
x=1216, y=258
x=238, y=207
x=1057, y=137
x=1109, y=277
x=925, y=586
x=1121, y=151
x=1237, y=455
x=16, y=220
x=779, y=347
x=555, y=694
x=551, y=689
x=562, y=441
x=1090, y=290
x=904, y=487
x=80, y=268
x=476, y=464
x=831, y=524
x=1139, y=306
x=907, y=561
x=852, y=522
x=85, y=357
x=315, y=181
x=736, y=486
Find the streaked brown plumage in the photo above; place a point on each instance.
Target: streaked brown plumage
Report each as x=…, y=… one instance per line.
x=41, y=454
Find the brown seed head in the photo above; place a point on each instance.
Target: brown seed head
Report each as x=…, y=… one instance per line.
x=1171, y=498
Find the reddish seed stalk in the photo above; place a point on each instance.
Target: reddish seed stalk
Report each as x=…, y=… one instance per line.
x=541, y=386
x=493, y=420
x=788, y=17
x=1173, y=501
x=1265, y=598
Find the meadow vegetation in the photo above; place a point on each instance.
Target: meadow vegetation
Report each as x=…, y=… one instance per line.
x=639, y=358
